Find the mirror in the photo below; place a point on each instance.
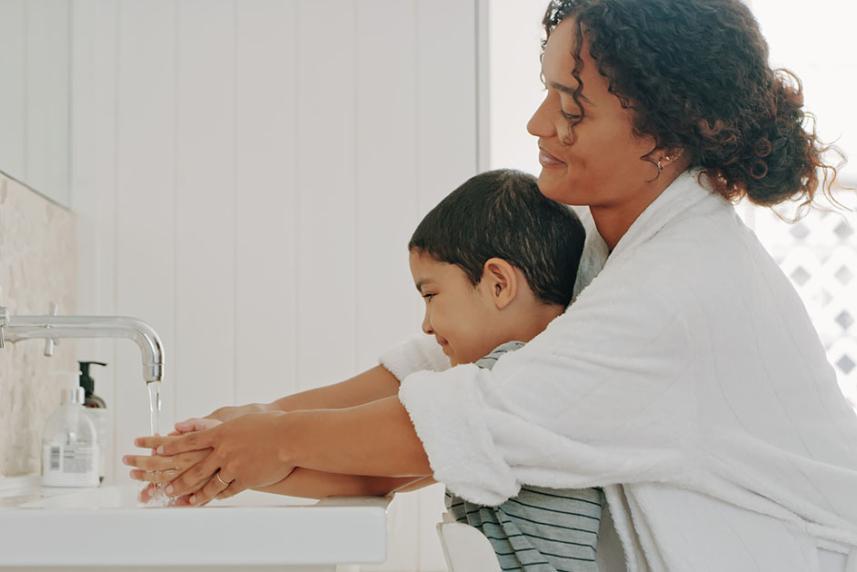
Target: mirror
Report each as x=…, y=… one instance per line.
x=35, y=64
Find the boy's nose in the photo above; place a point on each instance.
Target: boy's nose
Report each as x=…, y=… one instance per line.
x=427, y=325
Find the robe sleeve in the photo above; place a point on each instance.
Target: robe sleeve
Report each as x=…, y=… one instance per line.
x=598, y=398
x=417, y=353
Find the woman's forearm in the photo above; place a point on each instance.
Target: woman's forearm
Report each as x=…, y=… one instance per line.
x=307, y=483
x=375, y=438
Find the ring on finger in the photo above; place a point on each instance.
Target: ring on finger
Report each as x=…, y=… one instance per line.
x=218, y=477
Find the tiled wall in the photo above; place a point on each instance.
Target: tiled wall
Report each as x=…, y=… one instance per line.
x=38, y=261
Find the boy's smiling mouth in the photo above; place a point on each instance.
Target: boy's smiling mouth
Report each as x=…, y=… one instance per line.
x=442, y=342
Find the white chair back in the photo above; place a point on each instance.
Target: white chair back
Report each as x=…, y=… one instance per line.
x=465, y=548
x=835, y=557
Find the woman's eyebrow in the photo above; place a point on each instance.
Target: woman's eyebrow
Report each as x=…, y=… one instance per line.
x=570, y=91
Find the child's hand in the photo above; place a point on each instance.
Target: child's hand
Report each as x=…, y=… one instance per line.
x=152, y=490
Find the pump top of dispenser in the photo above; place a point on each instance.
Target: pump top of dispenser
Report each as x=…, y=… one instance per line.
x=86, y=381
x=70, y=391
x=75, y=395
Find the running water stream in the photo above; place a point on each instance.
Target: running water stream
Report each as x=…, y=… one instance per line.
x=159, y=497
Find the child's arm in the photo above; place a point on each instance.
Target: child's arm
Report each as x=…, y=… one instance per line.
x=372, y=384
x=307, y=483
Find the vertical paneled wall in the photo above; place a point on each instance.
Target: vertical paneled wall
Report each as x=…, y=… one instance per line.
x=247, y=175
x=34, y=100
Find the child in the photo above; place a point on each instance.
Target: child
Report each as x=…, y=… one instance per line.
x=495, y=262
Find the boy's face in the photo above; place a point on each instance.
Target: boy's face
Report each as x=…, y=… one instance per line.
x=460, y=315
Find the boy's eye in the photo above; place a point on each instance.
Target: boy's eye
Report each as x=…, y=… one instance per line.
x=428, y=297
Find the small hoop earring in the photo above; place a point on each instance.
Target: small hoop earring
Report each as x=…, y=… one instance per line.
x=660, y=163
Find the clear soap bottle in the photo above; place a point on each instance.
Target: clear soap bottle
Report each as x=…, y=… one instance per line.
x=70, y=450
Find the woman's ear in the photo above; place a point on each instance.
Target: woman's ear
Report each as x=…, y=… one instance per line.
x=500, y=282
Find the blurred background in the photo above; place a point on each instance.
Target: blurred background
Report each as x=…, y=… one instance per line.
x=245, y=176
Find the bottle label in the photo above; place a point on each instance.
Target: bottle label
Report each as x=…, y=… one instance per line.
x=70, y=465
x=56, y=454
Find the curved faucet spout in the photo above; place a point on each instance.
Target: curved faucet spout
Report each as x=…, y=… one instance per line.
x=16, y=328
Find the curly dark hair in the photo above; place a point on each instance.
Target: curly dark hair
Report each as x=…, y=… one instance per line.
x=696, y=74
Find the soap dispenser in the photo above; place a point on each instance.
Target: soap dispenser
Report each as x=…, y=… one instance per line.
x=70, y=451
x=97, y=410
x=88, y=384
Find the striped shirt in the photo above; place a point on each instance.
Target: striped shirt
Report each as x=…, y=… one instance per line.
x=541, y=529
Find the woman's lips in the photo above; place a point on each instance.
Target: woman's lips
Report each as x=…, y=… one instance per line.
x=548, y=160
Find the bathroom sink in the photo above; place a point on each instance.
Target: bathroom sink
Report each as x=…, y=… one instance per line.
x=108, y=527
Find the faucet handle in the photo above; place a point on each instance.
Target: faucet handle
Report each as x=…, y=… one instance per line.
x=51, y=342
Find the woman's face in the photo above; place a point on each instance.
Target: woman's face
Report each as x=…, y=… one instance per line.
x=600, y=163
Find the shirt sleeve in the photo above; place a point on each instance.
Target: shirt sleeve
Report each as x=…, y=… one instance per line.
x=417, y=353
x=597, y=398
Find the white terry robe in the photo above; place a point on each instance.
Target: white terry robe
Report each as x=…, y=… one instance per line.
x=686, y=379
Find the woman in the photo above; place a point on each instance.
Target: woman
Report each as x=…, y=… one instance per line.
x=686, y=379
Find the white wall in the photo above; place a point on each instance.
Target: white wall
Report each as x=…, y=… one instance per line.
x=34, y=100
x=818, y=45
x=514, y=34
x=247, y=175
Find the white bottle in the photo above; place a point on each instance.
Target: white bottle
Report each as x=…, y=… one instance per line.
x=70, y=451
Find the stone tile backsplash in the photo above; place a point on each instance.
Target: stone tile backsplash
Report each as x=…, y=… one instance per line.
x=38, y=265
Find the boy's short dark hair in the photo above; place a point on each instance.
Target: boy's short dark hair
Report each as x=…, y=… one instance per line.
x=503, y=214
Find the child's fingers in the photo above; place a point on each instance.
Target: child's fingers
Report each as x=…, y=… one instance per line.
x=182, y=501
x=154, y=463
x=154, y=476
x=148, y=493
x=149, y=462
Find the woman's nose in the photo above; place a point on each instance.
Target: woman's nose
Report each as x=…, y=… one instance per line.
x=539, y=124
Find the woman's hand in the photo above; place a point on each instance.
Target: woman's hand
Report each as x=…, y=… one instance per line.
x=247, y=452
x=233, y=412
x=195, y=424
x=180, y=462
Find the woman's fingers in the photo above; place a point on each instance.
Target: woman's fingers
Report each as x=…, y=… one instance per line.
x=196, y=424
x=195, y=477
x=210, y=491
x=233, y=489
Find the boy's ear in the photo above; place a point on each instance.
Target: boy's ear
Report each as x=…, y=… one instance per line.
x=500, y=281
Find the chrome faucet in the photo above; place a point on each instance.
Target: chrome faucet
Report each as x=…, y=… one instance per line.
x=52, y=327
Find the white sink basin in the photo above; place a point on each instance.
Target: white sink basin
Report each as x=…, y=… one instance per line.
x=108, y=527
